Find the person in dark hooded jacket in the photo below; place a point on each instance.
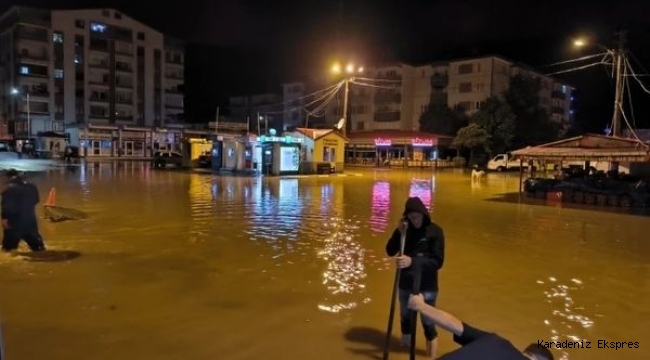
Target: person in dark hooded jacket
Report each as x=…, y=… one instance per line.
x=425, y=242
x=19, y=221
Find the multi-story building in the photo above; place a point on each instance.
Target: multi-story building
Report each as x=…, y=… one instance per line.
x=105, y=79
x=400, y=93
x=261, y=111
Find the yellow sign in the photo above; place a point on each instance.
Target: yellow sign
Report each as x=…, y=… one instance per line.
x=330, y=142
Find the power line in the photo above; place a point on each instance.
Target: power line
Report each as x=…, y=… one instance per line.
x=580, y=67
x=578, y=59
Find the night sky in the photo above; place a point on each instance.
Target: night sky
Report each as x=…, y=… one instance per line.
x=250, y=46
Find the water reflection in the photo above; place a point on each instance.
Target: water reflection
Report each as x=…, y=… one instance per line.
x=423, y=188
x=345, y=272
x=380, y=206
x=567, y=321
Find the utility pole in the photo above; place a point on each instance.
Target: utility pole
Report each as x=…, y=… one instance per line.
x=345, y=105
x=619, y=58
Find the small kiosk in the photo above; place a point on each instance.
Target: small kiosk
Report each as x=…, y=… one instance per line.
x=277, y=155
x=323, y=150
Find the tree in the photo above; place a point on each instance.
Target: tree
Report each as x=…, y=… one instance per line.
x=440, y=119
x=498, y=121
x=471, y=137
x=533, y=125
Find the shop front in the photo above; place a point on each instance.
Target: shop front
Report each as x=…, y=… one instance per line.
x=323, y=150
x=133, y=142
x=278, y=155
x=395, y=148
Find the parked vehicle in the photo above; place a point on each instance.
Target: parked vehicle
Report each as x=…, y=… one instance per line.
x=161, y=159
x=503, y=162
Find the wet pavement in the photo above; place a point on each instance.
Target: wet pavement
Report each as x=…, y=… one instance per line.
x=176, y=265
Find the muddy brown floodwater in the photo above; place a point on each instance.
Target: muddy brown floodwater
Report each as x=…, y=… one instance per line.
x=173, y=265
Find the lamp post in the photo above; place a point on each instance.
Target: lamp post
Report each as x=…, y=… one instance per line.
x=619, y=61
x=350, y=70
x=15, y=92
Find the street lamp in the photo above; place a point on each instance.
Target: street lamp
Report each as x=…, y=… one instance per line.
x=619, y=59
x=16, y=92
x=350, y=70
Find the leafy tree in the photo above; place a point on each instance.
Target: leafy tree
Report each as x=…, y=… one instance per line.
x=496, y=118
x=440, y=119
x=533, y=125
x=472, y=137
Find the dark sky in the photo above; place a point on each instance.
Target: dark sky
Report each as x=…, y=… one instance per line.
x=247, y=46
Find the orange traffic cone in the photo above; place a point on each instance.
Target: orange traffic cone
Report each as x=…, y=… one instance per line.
x=51, y=198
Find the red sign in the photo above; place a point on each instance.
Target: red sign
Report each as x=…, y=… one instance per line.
x=422, y=142
x=383, y=142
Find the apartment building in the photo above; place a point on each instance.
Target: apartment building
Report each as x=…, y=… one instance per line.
x=103, y=78
x=261, y=111
x=471, y=81
x=401, y=93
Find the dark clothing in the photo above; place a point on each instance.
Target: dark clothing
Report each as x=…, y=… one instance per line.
x=425, y=245
x=19, y=202
x=478, y=344
x=428, y=325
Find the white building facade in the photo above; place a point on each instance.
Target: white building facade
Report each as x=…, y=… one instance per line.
x=110, y=83
x=405, y=91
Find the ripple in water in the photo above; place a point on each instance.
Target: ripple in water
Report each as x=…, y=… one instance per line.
x=568, y=321
x=345, y=272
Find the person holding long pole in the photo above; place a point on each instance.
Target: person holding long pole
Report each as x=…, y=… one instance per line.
x=393, y=297
x=425, y=240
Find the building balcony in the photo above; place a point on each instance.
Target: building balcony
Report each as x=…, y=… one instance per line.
x=174, y=76
x=35, y=34
x=124, y=85
x=124, y=101
x=173, y=106
x=98, y=83
x=98, y=99
x=173, y=92
x=387, y=116
x=123, y=68
x=175, y=118
x=124, y=117
x=98, y=115
x=33, y=56
x=384, y=98
x=173, y=62
x=59, y=116
x=124, y=52
x=439, y=80
x=98, y=65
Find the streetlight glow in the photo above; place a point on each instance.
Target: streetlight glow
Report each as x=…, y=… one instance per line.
x=350, y=68
x=336, y=69
x=14, y=91
x=360, y=69
x=579, y=42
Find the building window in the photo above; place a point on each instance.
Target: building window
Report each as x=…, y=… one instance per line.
x=465, y=87
x=360, y=125
x=24, y=70
x=57, y=37
x=117, y=15
x=58, y=73
x=106, y=13
x=141, y=36
x=97, y=27
x=465, y=69
x=80, y=24
x=564, y=89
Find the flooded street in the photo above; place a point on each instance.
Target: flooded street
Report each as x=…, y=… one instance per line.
x=175, y=265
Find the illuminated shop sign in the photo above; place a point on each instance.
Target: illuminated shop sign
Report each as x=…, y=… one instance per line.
x=280, y=139
x=422, y=142
x=383, y=142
